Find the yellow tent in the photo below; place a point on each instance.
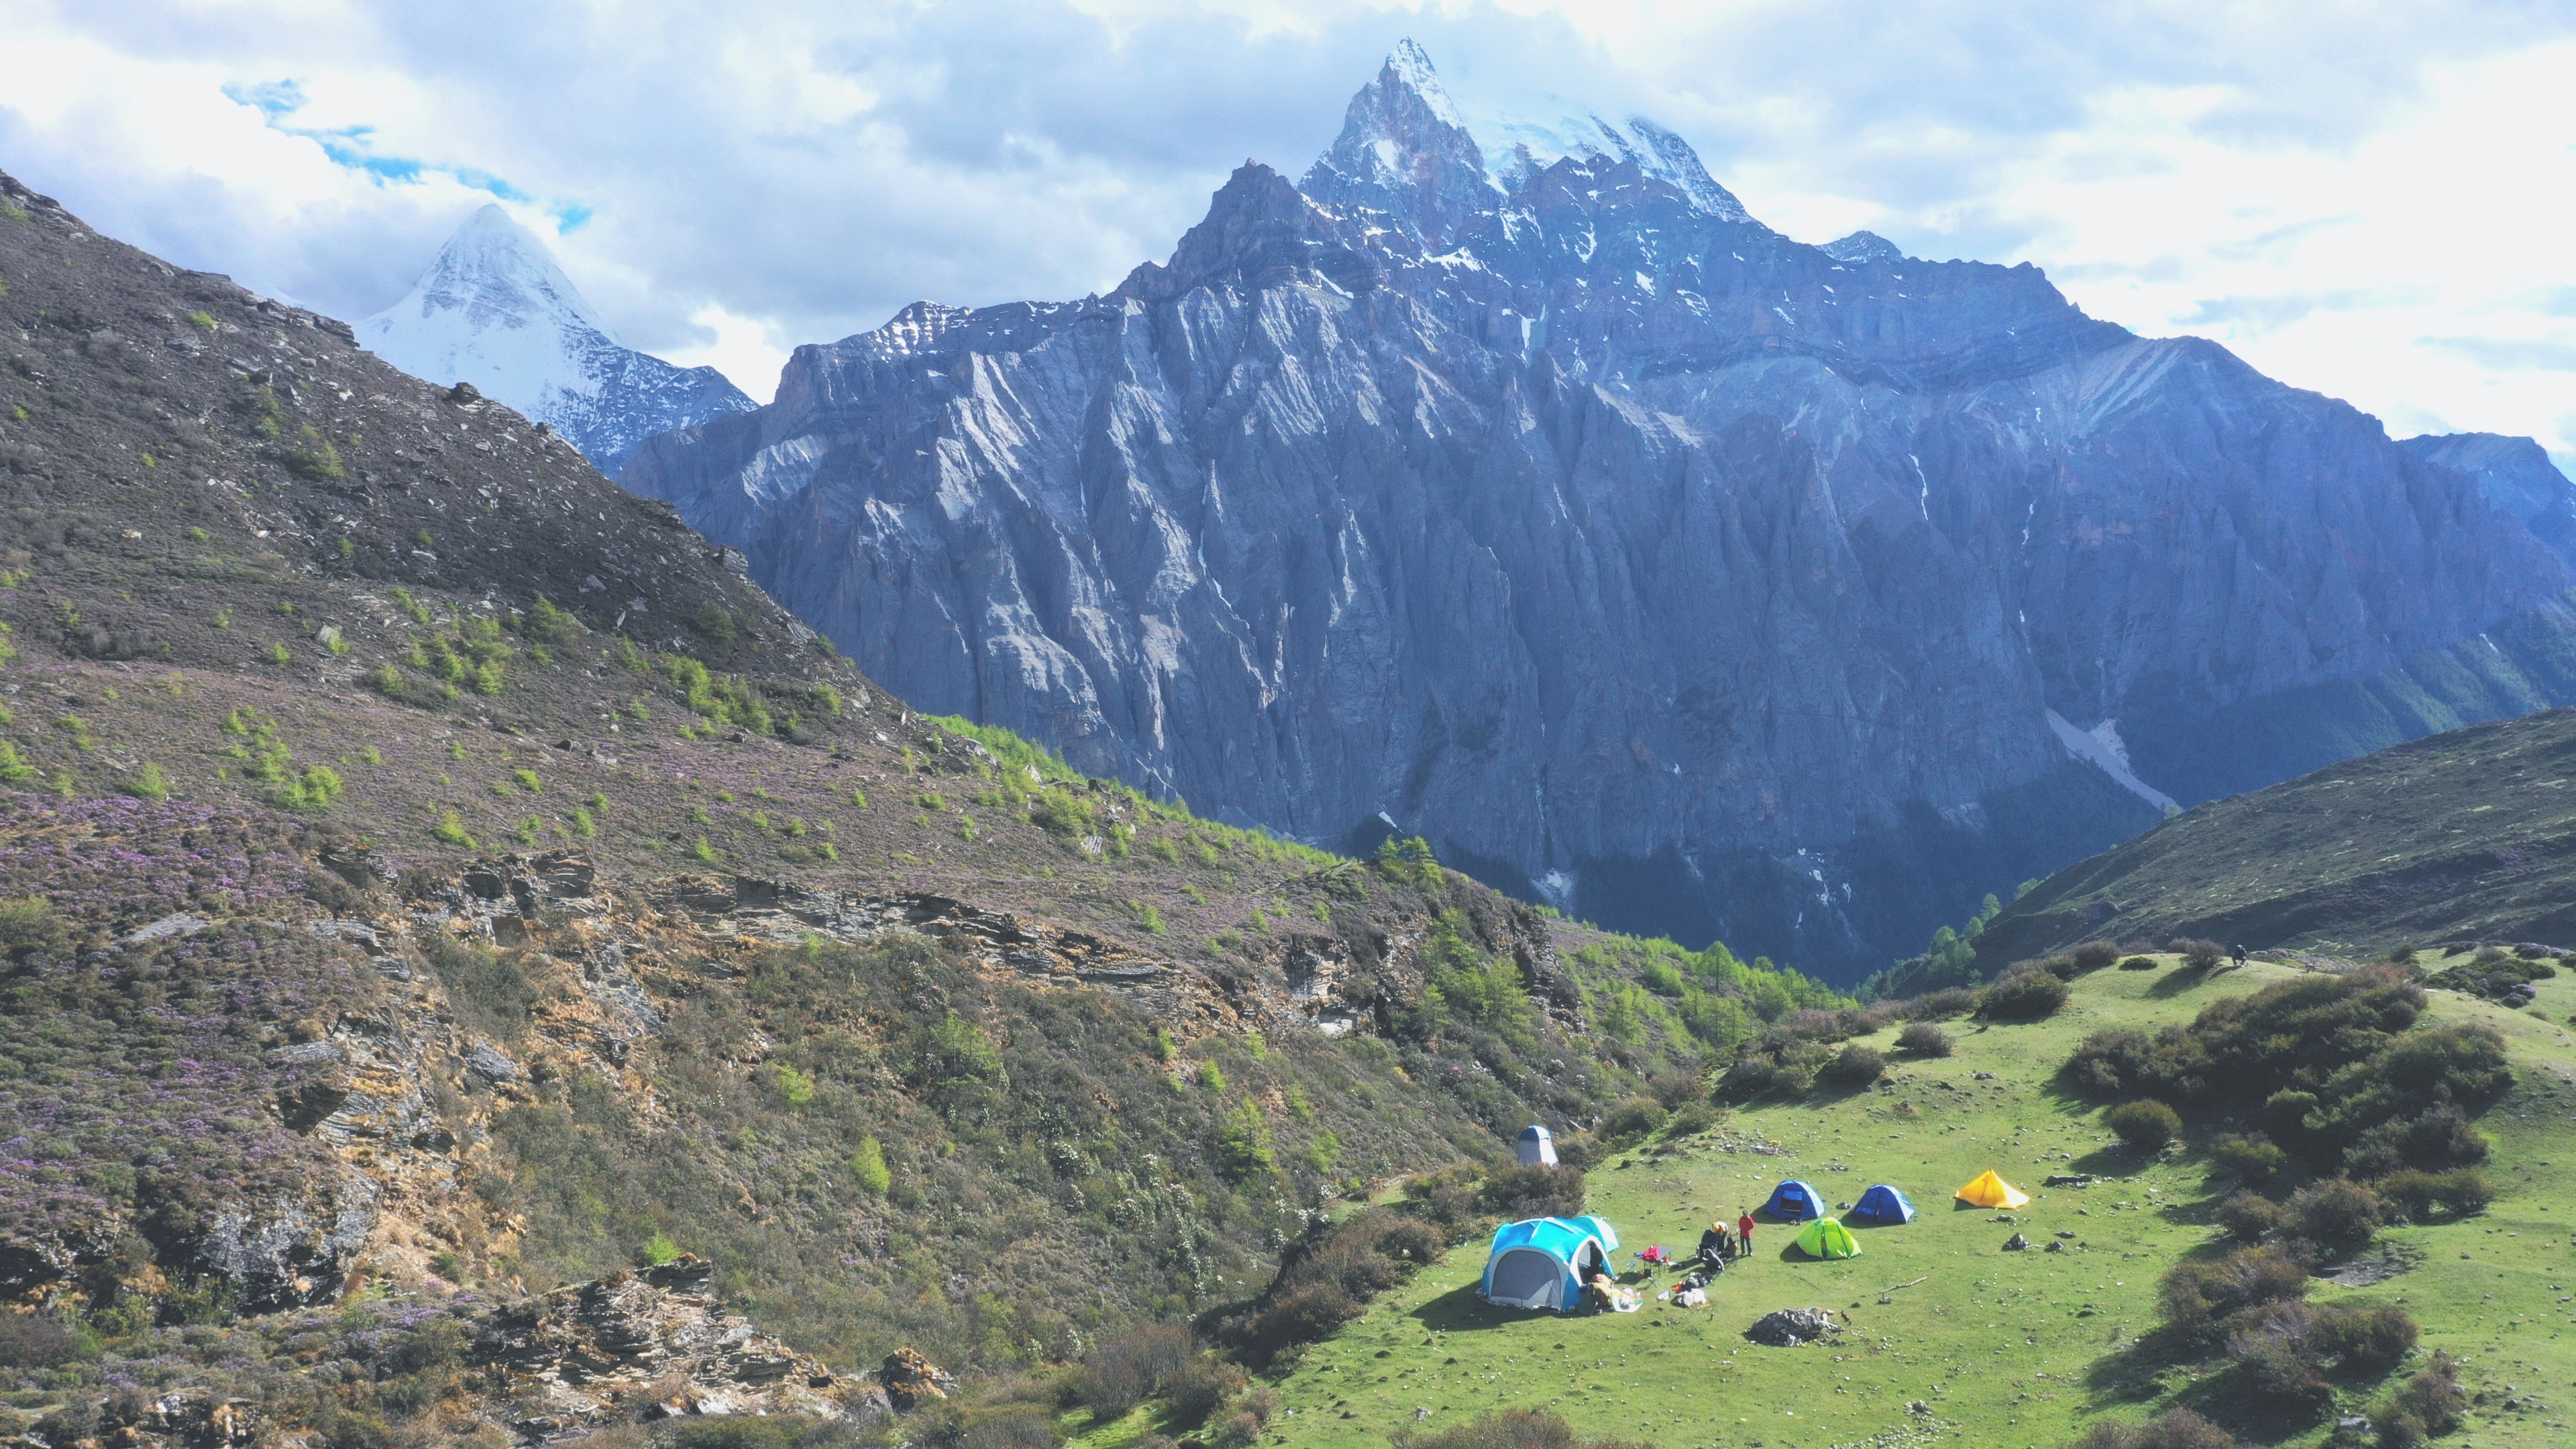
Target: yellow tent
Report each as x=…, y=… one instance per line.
x=1992, y=1191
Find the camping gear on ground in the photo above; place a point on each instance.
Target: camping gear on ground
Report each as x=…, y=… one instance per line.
x=1795, y=1202
x=1827, y=1238
x=1607, y=1294
x=1881, y=1206
x=1544, y=1262
x=1538, y=1147
x=1691, y=1298
x=1991, y=1191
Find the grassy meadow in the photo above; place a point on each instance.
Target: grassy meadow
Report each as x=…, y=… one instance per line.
x=2005, y=1349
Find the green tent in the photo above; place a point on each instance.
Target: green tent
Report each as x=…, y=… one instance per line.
x=1827, y=1238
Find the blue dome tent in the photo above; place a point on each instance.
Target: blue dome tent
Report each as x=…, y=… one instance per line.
x=1881, y=1207
x=1795, y=1202
x=1538, y=1147
x=1544, y=1262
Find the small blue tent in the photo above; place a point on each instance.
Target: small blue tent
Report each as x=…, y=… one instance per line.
x=1544, y=1262
x=1881, y=1207
x=1795, y=1202
x=1538, y=1147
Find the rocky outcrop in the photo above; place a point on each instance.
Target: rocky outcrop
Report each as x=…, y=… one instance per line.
x=1790, y=1327
x=911, y=1380
x=651, y=1344
x=1651, y=563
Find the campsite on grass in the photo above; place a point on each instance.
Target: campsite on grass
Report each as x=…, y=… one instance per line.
x=2009, y=1348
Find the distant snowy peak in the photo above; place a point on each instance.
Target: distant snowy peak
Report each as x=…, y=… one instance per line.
x=1520, y=145
x=1863, y=246
x=1407, y=150
x=495, y=310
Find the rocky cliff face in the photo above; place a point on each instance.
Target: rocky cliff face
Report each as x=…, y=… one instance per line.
x=2515, y=476
x=1526, y=492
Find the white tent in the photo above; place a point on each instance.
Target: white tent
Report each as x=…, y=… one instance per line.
x=1538, y=1148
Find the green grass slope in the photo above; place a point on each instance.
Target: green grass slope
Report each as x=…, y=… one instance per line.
x=2469, y=835
x=2002, y=1349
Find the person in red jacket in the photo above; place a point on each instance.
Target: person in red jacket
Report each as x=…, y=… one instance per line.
x=1744, y=1229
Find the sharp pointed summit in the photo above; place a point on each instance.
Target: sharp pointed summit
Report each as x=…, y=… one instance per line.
x=495, y=310
x=1405, y=150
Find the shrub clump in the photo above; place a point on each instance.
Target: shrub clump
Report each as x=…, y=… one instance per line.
x=2426, y=1406
x=2094, y=955
x=2335, y=1211
x=2419, y=1197
x=1778, y=1065
x=1688, y=1120
x=1534, y=1192
x=1856, y=1066
x=2022, y=996
x=1923, y=1039
x=2201, y=1300
x=1508, y=1429
x=2197, y=953
x=2137, y=963
x=1632, y=1120
x=1125, y=1369
x=2249, y=1217
x=2145, y=1125
x=1327, y=1277
x=2250, y=1156
x=1942, y=1005
x=2342, y=1076
x=2172, y=1429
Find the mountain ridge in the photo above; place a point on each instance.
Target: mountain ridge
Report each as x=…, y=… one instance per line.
x=1654, y=565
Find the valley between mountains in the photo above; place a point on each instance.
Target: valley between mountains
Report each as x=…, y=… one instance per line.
x=478, y=970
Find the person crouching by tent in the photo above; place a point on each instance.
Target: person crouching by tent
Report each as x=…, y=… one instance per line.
x=1715, y=1246
x=1608, y=1296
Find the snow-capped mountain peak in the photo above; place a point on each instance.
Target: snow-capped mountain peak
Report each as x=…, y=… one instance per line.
x=1408, y=150
x=1524, y=141
x=1405, y=151
x=494, y=309
x=1410, y=65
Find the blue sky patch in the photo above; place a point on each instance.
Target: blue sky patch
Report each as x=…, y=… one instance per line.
x=354, y=148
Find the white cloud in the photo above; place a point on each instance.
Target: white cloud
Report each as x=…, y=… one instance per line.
x=741, y=348
x=2366, y=200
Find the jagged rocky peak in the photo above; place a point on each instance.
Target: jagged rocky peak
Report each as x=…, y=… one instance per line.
x=1405, y=150
x=1863, y=247
x=1259, y=231
x=495, y=310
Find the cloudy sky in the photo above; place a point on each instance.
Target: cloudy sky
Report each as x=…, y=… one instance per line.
x=2374, y=201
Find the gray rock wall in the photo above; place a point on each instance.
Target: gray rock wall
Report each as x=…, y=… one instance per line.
x=1649, y=562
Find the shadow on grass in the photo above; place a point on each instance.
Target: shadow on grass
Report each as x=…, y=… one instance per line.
x=2157, y=1364
x=2179, y=980
x=1460, y=1311
x=2112, y=1161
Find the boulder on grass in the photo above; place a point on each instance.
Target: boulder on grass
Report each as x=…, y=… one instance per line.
x=1789, y=1327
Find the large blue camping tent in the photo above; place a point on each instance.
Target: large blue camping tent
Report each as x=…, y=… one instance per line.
x=1794, y=1202
x=1544, y=1262
x=1883, y=1206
